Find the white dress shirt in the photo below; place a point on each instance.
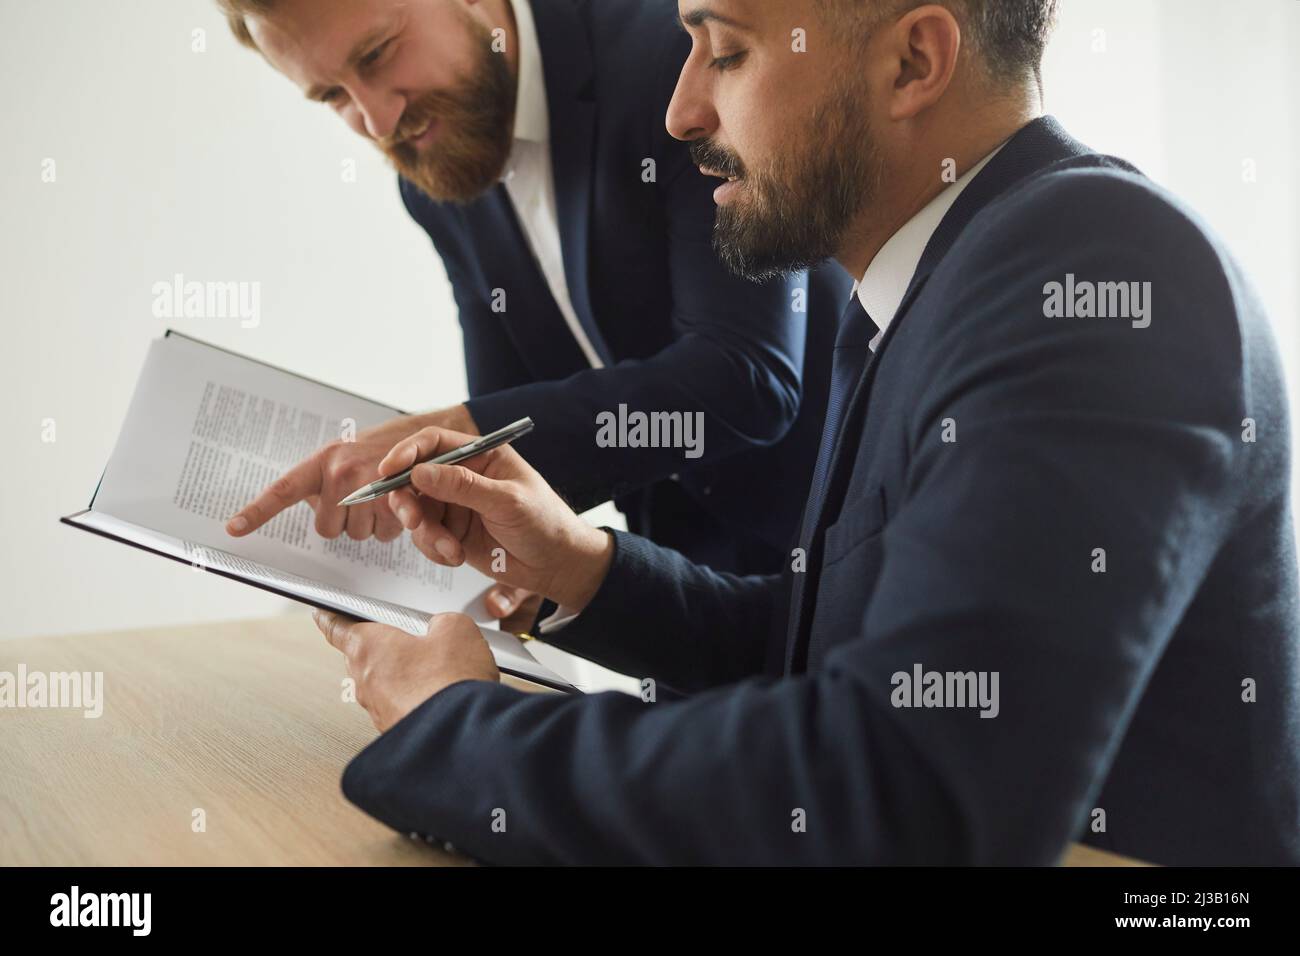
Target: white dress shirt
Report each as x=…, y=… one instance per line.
x=882, y=287
x=528, y=176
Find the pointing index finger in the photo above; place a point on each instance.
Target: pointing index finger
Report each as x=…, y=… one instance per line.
x=295, y=485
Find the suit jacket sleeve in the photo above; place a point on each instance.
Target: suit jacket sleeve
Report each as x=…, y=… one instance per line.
x=657, y=615
x=492, y=362
x=1072, y=435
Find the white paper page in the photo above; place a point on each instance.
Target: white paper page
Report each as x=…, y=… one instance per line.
x=207, y=430
x=510, y=653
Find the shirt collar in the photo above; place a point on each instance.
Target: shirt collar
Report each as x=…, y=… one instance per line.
x=882, y=288
x=532, y=119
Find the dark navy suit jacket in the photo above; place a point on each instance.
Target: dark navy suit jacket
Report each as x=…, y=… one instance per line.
x=1160, y=697
x=675, y=331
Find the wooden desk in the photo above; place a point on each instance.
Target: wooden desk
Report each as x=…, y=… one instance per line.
x=243, y=720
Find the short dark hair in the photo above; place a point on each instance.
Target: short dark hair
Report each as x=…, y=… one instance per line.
x=1009, y=35
x=1012, y=35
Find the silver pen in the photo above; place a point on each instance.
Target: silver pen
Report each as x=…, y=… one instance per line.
x=504, y=436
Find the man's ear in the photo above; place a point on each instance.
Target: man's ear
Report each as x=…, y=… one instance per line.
x=923, y=48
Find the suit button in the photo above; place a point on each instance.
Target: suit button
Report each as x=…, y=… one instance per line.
x=449, y=847
x=415, y=836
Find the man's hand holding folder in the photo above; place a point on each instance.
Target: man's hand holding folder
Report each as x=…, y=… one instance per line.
x=395, y=672
x=499, y=515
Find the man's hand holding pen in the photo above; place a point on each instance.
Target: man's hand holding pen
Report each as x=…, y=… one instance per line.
x=339, y=468
x=499, y=515
x=496, y=513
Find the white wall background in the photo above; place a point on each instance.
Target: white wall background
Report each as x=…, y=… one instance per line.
x=208, y=164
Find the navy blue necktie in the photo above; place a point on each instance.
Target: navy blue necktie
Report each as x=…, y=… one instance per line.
x=852, y=352
x=849, y=362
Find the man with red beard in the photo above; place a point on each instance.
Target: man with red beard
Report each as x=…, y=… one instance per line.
x=577, y=236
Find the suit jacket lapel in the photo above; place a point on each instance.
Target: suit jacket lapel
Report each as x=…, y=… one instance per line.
x=1040, y=144
x=805, y=588
x=570, y=98
x=513, y=267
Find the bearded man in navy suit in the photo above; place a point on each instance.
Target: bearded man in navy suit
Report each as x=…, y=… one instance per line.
x=576, y=234
x=1046, y=585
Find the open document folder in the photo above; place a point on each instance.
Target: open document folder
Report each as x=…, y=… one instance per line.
x=205, y=432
